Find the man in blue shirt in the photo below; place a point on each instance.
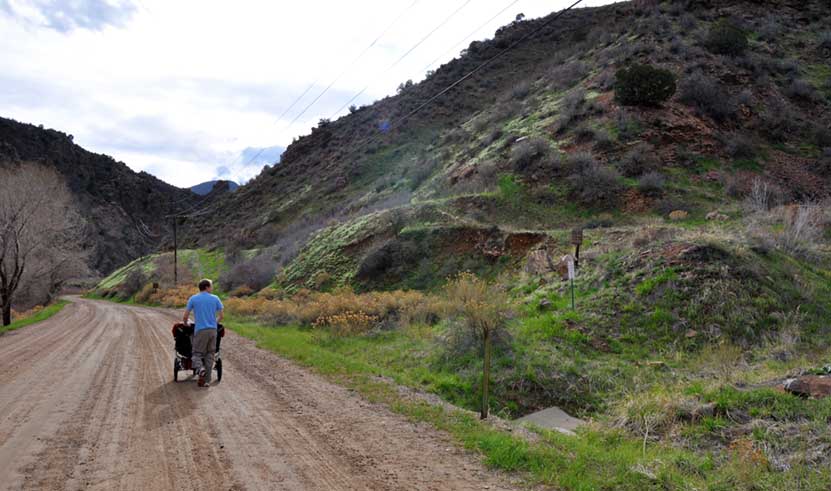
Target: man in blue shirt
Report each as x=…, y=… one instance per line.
x=208, y=313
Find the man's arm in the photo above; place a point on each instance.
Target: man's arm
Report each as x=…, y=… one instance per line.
x=186, y=317
x=220, y=310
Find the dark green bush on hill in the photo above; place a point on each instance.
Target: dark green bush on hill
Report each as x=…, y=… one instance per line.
x=643, y=85
x=725, y=38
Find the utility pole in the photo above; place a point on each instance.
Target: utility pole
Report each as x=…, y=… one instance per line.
x=175, y=252
x=175, y=242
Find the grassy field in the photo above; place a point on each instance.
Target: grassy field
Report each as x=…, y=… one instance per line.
x=40, y=316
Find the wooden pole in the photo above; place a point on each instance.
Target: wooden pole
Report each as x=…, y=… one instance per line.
x=175, y=253
x=486, y=374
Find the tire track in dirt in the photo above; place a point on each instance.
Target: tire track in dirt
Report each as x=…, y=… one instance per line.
x=87, y=401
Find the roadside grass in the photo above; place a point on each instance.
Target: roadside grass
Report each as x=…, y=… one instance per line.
x=601, y=457
x=595, y=460
x=39, y=316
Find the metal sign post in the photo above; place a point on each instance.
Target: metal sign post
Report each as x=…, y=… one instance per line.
x=572, y=272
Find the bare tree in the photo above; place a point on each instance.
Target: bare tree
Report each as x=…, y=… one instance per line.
x=40, y=234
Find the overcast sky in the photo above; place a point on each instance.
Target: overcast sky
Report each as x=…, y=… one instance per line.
x=183, y=88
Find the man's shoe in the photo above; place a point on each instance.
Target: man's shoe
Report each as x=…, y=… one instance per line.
x=201, y=381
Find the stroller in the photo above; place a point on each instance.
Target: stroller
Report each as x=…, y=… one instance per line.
x=183, y=350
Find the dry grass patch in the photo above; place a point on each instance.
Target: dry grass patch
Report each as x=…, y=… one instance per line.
x=342, y=310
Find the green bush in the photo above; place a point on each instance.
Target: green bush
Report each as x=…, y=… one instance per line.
x=643, y=85
x=725, y=38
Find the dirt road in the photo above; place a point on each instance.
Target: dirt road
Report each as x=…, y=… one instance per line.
x=87, y=401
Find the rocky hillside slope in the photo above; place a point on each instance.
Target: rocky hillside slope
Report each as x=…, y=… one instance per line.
x=536, y=141
x=122, y=208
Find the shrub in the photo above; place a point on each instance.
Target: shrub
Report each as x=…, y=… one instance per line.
x=639, y=161
x=255, y=273
x=134, y=282
x=725, y=38
x=526, y=152
x=652, y=184
x=595, y=185
x=801, y=90
x=803, y=227
x=241, y=291
x=667, y=205
x=707, y=95
x=584, y=133
x=779, y=121
x=172, y=297
x=573, y=163
x=509, y=188
x=571, y=108
x=347, y=323
x=628, y=126
x=643, y=85
x=760, y=198
x=606, y=80
x=770, y=29
x=741, y=147
x=825, y=40
x=565, y=76
x=321, y=280
x=143, y=296
x=603, y=140
x=166, y=270
x=688, y=22
x=787, y=66
x=521, y=90
x=422, y=171
x=824, y=163
x=482, y=308
x=822, y=137
x=341, y=308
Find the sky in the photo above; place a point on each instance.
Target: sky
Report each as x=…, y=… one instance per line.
x=191, y=90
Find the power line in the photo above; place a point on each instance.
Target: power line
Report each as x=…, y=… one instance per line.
x=455, y=46
x=486, y=63
x=402, y=57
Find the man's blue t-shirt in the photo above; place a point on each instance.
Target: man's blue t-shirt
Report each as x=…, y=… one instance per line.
x=204, y=306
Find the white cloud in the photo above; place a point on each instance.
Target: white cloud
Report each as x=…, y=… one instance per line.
x=181, y=88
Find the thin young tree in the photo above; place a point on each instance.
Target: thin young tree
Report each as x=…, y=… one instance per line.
x=482, y=307
x=40, y=234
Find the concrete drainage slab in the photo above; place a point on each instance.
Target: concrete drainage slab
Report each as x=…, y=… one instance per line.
x=554, y=419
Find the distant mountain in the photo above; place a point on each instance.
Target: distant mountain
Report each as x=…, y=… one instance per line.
x=123, y=209
x=205, y=188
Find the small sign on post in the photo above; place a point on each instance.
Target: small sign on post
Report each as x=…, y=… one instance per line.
x=577, y=236
x=577, y=241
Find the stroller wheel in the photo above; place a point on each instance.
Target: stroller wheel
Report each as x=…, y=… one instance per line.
x=176, y=370
x=218, y=370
